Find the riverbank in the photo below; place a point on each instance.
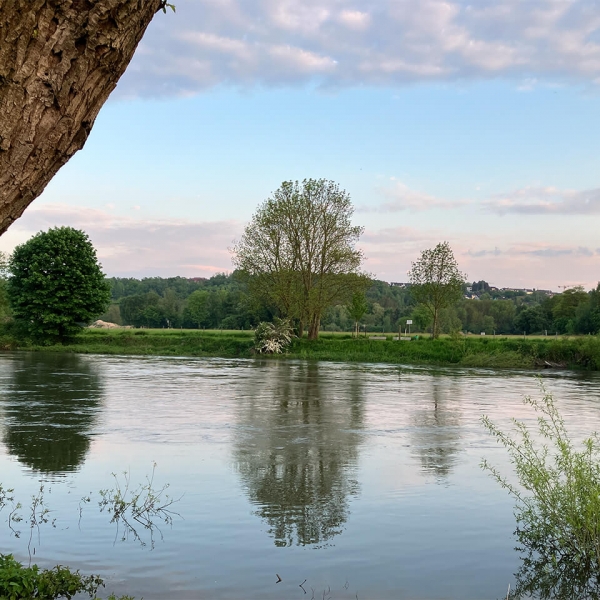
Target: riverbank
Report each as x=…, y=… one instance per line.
x=498, y=352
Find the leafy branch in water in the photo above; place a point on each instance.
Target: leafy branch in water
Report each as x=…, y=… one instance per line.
x=139, y=509
x=6, y=496
x=39, y=514
x=557, y=504
x=134, y=511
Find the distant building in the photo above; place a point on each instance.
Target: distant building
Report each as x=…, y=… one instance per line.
x=400, y=285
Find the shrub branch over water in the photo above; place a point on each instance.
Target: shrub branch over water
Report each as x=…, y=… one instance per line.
x=557, y=504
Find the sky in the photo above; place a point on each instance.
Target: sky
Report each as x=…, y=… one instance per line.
x=472, y=123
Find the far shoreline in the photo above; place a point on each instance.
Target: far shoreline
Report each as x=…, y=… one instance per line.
x=499, y=352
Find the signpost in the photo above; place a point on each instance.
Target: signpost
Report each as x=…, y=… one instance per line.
x=409, y=323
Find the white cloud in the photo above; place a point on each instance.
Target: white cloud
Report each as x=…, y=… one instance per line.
x=355, y=19
x=350, y=42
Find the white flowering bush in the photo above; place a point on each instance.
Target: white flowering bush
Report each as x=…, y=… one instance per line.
x=272, y=338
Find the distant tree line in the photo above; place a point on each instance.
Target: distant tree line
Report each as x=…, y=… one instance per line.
x=227, y=301
x=224, y=302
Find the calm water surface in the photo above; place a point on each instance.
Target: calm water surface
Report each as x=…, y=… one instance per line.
x=363, y=480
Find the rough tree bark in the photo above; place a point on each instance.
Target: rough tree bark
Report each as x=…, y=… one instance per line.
x=59, y=62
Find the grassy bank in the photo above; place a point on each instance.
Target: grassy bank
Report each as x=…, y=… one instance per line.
x=156, y=342
x=580, y=353
x=516, y=352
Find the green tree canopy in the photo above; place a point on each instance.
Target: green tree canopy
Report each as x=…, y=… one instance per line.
x=197, y=306
x=531, y=320
x=436, y=281
x=357, y=308
x=299, y=251
x=56, y=284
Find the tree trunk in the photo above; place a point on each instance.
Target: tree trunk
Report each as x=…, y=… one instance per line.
x=313, y=329
x=59, y=62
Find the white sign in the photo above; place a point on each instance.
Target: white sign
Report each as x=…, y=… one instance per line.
x=409, y=322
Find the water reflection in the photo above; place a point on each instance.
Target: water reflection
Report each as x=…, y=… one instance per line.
x=556, y=580
x=50, y=406
x=297, y=456
x=436, y=426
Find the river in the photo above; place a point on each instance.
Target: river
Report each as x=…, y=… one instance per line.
x=344, y=480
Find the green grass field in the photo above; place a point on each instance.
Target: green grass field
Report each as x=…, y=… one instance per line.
x=473, y=351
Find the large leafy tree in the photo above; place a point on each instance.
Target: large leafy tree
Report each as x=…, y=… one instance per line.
x=56, y=284
x=436, y=282
x=59, y=62
x=299, y=251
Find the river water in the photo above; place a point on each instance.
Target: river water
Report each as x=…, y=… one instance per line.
x=362, y=481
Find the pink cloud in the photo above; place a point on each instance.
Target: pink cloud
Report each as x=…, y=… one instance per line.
x=136, y=247
x=401, y=197
x=549, y=200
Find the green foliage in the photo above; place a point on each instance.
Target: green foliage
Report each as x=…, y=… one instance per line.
x=56, y=284
x=112, y=315
x=164, y=5
x=219, y=302
x=531, y=320
x=557, y=504
x=298, y=252
x=436, y=281
x=18, y=582
x=357, y=309
x=421, y=318
x=224, y=302
x=197, y=307
x=273, y=338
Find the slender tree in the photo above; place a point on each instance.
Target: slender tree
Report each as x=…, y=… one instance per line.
x=436, y=281
x=56, y=284
x=4, y=304
x=357, y=309
x=59, y=62
x=299, y=251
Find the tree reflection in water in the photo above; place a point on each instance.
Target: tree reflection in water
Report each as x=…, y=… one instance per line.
x=543, y=578
x=50, y=408
x=297, y=455
x=436, y=426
